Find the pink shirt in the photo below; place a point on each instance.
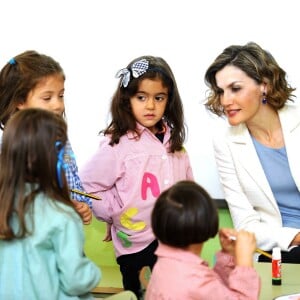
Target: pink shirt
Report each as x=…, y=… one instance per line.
x=129, y=177
x=179, y=274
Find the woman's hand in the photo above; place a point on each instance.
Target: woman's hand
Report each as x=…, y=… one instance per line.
x=296, y=240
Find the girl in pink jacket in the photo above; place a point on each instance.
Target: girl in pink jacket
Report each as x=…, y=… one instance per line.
x=140, y=155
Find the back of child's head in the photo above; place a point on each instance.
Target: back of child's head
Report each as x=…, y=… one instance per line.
x=31, y=161
x=20, y=76
x=123, y=120
x=184, y=214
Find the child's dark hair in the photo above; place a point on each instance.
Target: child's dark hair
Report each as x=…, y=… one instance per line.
x=29, y=165
x=184, y=214
x=123, y=119
x=19, y=76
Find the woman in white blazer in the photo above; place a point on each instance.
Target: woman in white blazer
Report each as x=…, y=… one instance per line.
x=258, y=157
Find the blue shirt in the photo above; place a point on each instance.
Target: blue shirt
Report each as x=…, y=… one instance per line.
x=71, y=172
x=277, y=170
x=50, y=263
x=72, y=177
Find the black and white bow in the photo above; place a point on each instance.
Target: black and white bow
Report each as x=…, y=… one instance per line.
x=138, y=68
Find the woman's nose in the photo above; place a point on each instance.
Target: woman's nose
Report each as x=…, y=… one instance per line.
x=226, y=99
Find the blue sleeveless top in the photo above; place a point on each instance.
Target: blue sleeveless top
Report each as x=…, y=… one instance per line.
x=277, y=170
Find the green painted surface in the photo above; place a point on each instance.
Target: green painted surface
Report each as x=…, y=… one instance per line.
x=213, y=245
x=102, y=253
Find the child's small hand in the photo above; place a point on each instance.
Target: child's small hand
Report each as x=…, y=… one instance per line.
x=107, y=237
x=227, y=244
x=84, y=211
x=240, y=244
x=245, y=246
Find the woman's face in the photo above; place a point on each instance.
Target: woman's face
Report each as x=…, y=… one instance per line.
x=240, y=95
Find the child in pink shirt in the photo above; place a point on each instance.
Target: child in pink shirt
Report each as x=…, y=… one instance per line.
x=183, y=218
x=140, y=155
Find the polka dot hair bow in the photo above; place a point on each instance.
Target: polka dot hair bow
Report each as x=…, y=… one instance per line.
x=137, y=69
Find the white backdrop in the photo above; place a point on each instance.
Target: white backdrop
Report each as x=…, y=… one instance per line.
x=93, y=39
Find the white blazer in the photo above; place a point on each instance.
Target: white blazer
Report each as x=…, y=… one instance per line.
x=246, y=188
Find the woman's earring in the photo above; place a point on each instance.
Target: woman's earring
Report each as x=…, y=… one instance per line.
x=264, y=100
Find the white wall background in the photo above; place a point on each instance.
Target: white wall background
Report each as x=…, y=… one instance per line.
x=93, y=39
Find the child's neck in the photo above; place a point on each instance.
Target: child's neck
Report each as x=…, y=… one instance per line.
x=195, y=248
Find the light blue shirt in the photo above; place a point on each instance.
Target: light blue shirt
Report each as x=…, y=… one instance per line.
x=49, y=264
x=277, y=170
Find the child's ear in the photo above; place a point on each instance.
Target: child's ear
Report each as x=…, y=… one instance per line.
x=21, y=106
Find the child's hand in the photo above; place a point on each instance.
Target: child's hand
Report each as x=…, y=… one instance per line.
x=227, y=244
x=245, y=246
x=240, y=244
x=107, y=237
x=84, y=211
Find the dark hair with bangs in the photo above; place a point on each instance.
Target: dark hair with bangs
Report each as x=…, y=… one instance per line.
x=20, y=76
x=28, y=166
x=123, y=119
x=184, y=214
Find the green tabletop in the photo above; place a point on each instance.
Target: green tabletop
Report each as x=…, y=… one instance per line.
x=290, y=280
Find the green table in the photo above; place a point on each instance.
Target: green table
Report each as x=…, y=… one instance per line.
x=290, y=280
